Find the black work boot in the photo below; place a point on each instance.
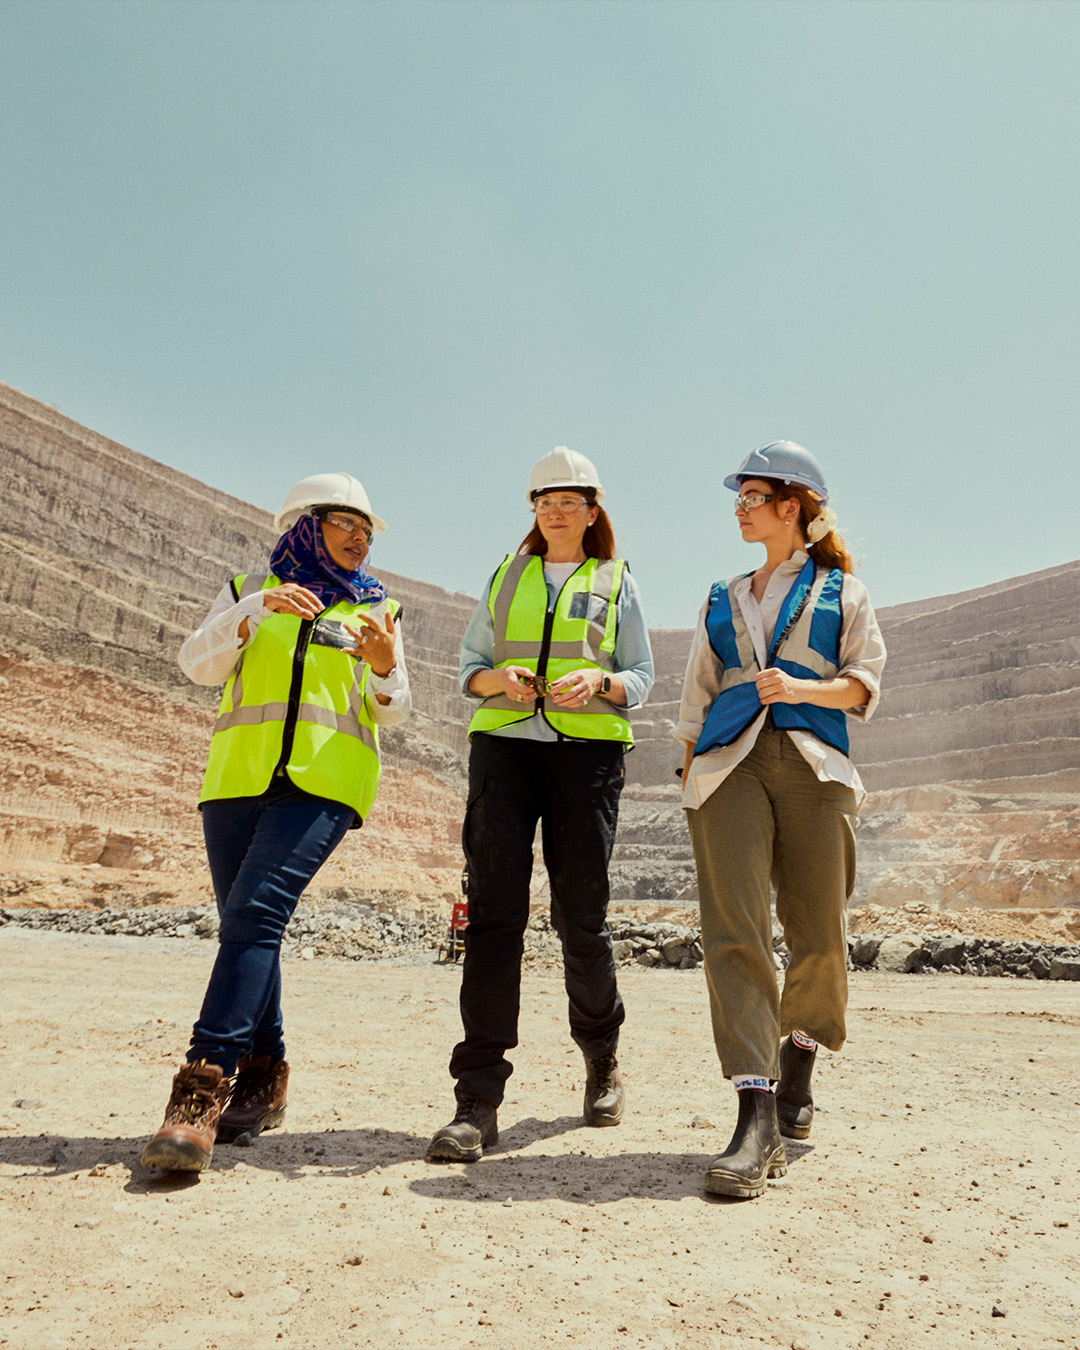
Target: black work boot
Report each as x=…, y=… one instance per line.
x=258, y=1100
x=755, y=1154
x=604, y=1095
x=794, y=1104
x=475, y=1127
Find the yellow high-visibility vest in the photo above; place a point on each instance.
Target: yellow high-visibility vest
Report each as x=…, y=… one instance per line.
x=580, y=631
x=295, y=703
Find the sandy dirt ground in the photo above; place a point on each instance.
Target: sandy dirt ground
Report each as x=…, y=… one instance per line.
x=940, y=1180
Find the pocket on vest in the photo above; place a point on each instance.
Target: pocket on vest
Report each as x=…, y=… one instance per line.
x=585, y=605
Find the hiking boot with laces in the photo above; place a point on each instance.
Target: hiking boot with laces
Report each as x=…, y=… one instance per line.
x=604, y=1095
x=185, y=1142
x=474, y=1128
x=258, y=1100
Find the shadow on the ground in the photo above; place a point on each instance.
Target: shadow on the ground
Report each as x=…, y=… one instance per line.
x=579, y=1177
x=338, y=1152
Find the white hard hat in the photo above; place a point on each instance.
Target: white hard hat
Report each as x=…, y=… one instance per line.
x=563, y=468
x=325, y=489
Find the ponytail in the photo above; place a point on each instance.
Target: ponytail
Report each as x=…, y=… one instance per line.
x=828, y=551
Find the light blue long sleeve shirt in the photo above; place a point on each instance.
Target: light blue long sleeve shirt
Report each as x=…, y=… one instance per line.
x=632, y=655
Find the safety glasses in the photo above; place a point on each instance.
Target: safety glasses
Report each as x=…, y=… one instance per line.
x=747, y=501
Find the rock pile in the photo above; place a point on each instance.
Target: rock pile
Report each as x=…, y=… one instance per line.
x=352, y=934
x=657, y=944
x=958, y=955
x=359, y=933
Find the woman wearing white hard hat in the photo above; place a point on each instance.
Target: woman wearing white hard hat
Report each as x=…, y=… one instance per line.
x=555, y=654
x=780, y=658
x=311, y=660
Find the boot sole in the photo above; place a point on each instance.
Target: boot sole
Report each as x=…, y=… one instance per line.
x=449, y=1151
x=175, y=1155
x=599, y=1121
x=792, y=1131
x=725, y=1183
x=228, y=1134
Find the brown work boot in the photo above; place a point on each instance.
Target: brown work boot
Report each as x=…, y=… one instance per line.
x=604, y=1095
x=258, y=1099
x=185, y=1142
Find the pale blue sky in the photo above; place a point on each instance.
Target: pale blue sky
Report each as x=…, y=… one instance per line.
x=426, y=242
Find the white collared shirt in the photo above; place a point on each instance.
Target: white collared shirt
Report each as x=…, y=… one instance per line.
x=862, y=655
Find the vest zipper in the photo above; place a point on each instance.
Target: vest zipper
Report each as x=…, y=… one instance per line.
x=778, y=642
x=292, y=712
x=545, y=649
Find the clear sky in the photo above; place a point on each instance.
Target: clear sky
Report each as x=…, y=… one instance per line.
x=427, y=242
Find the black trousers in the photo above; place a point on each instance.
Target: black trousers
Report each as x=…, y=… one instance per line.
x=573, y=787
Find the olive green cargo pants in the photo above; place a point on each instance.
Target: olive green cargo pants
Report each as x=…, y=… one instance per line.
x=772, y=817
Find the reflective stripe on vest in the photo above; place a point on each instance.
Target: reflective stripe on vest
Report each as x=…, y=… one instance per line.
x=809, y=651
x=296, y=705
x=581, y=633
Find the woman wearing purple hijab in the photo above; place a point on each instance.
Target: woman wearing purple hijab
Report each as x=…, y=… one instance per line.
x=312, y=664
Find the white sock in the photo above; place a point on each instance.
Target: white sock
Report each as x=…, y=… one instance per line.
x=803, y=1041
x=749, y=1082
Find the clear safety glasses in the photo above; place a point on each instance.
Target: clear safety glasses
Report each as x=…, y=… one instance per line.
x=747, y=501
x=545, y=506
x=349, y=524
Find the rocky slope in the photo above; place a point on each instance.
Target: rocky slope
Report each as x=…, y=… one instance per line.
x=98, y=808
x=981, y=686
x=108, y=559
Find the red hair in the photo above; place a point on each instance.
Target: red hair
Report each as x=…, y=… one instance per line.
x=830, y=550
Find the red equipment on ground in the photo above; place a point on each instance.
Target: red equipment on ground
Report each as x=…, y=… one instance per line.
x=454, y=945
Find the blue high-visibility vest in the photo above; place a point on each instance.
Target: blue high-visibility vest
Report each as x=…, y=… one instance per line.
x=806, y=644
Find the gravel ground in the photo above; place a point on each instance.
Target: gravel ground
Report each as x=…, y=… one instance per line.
x=935, y=1203
x=364, y=933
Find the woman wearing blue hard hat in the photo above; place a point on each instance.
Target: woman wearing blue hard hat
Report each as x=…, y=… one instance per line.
x=781, y=657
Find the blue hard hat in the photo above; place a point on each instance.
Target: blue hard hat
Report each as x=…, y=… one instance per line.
x=784, y=460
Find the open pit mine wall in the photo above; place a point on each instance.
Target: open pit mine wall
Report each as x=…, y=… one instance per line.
x=979, y=686
x=109, y=559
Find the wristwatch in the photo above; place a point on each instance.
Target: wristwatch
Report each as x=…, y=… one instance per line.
x=605, y=685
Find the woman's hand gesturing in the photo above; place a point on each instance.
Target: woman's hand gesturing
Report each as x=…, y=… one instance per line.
x=293, y=599
x=374, y=644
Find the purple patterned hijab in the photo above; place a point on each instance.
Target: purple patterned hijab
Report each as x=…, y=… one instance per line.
x=301, y=556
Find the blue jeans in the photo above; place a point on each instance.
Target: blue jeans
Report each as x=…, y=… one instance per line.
x=263, y=851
